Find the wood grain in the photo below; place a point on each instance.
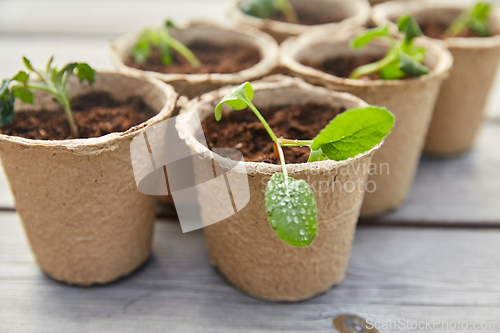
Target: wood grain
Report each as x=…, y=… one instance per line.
x=409, y=273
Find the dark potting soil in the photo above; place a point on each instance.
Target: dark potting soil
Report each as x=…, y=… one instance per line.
x=96, y=114
x=305, y=18
x=344, y=66
x=223, y=59
x=243, y=131
x=436, y=29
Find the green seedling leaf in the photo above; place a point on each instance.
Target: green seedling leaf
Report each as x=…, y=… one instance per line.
x=143, y=49
x=169, y=24
x=27, y=63
x=475, y=19
x=263, y=9
x=21, y=77
x=317, y=156
x=85, y=73
x=392, y=71
x=354, y=132
x=7, y=99
x=237, y=99
x=368, y=36
x=411, y=66
x=291, y=210
x=24, y=94
x=410, y=27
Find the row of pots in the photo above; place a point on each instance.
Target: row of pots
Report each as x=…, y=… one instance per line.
x=87, y=223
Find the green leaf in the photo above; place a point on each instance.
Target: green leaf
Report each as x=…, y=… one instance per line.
x=291, y=210
x=22, y=77
x=85, y=73
x=392, y=71
x=410, y=27
x=368, y=36
x=412, y=67
x=481, y=11
x=237, y=99
x=317, y=156
x=141, y=51
x=7, y=99
x=263, y=9
x=169, y=24
x=354, y=132
x=27, y=63
x=24, y=94
x=482, y=28
x=49, y=63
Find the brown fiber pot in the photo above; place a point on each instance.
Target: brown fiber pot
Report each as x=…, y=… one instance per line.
x=412, y=101
x=344, y=14
x=244, y=247
x=460, y=108
x=84, y=218
x=193, y=85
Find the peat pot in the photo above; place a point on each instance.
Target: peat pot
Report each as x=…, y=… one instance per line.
x=410, y=100
x=333, y=15
x=193, y=85
x=84, y=218
x=460, y=108
x=244, y=247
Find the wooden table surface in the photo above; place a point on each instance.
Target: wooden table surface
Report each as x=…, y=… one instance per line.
x=434, y=259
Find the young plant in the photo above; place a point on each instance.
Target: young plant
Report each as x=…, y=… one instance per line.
x=49, y=80
x=290, y=203
x=266, y=9
x=162, y=40
x=475, y=19
x=403, y=58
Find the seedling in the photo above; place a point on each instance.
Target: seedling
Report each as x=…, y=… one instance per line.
x=50, y=80
x=266, y=9
x=162, y=40
x=402, y=59
x=290, y=203
x=475, y=19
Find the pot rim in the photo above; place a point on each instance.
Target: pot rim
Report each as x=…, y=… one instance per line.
x=109, y=140
x=266, y=45
x=272, y=82
x=362, y=8
x=380, y=12
x=291, y=46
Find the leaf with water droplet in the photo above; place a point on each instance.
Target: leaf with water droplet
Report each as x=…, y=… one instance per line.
x=302, y=232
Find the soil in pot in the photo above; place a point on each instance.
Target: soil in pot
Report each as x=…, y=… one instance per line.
x=243, y=131
x=435, y=29
x=214, y=58
x=96, y=114
x=344, y=66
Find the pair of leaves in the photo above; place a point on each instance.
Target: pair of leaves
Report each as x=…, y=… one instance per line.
x=402, y=59
x=290, y=203
x=475, y=19
x=162, y=40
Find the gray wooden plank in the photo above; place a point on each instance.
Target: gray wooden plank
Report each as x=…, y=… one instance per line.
x=409, y=273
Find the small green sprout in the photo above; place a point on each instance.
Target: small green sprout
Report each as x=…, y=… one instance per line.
x=475, y=19
x=403, y=58
x=290, y=203
x=162, y=40
x=266, y=9
x=49, y=80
